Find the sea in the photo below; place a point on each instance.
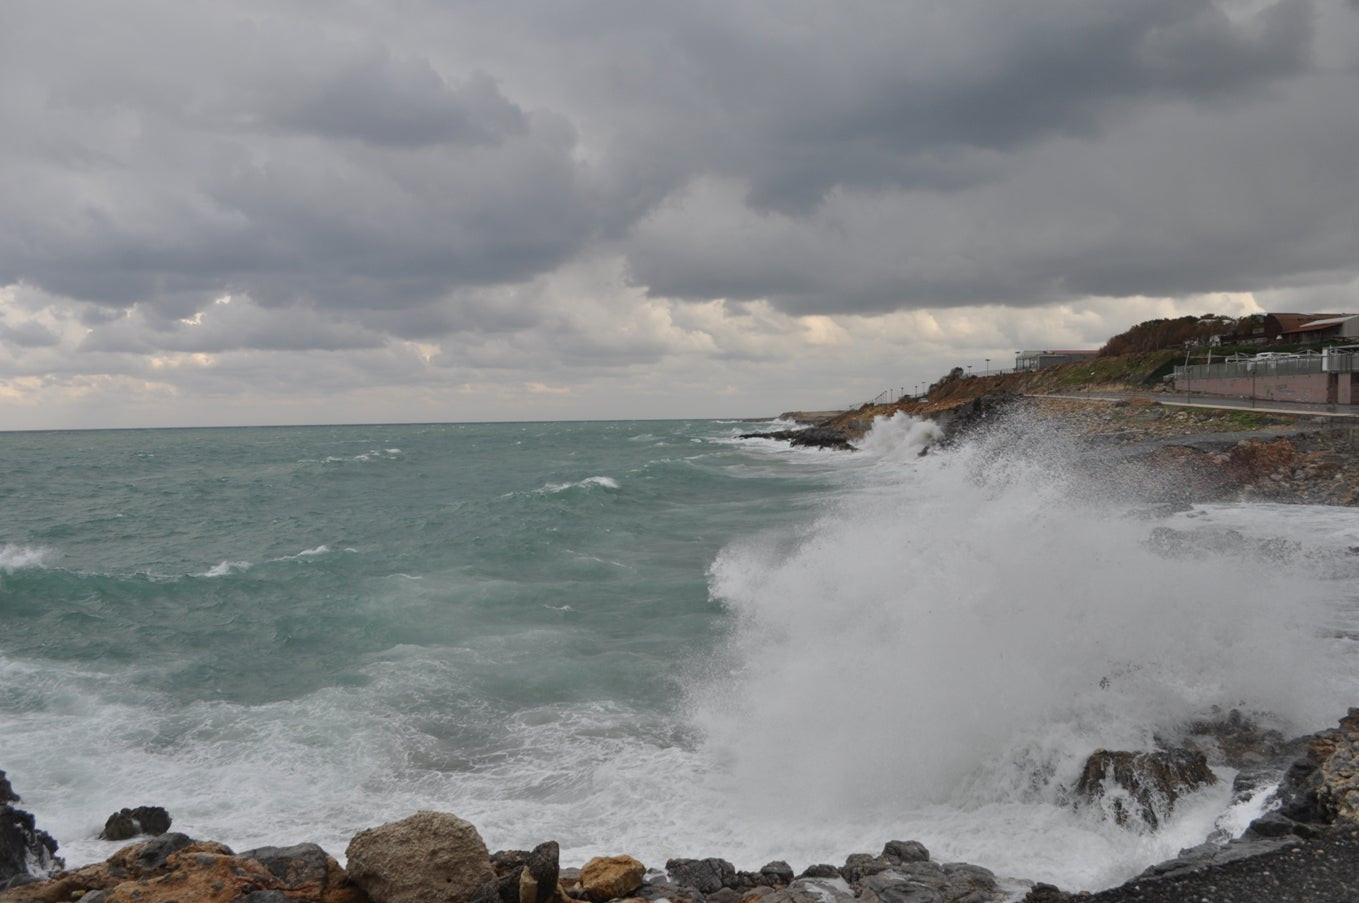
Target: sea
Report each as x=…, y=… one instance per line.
x=650, y=638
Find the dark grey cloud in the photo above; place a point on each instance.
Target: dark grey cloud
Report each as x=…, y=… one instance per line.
x=28, y=335
x=363, y=171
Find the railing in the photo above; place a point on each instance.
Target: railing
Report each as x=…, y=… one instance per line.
x=1286, y=366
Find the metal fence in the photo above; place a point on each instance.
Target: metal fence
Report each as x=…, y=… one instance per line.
x=1284, y=366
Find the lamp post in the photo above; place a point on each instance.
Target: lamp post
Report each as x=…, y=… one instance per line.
x=988, y=366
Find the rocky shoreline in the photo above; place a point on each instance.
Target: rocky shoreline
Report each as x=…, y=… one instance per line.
x=1306, y=848
x=1191, y=454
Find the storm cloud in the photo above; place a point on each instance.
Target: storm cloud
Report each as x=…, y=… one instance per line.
x=562, y=195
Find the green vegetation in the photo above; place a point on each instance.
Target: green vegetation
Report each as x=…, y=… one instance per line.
x=1245, y=420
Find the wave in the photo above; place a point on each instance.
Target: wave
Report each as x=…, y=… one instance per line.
x=226, y=568
x=608, y=483
x=306, y=553
x=14, y=557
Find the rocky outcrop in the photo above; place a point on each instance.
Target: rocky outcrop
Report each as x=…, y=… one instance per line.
x=430, y=857
x=1141, y=785
x=1238, y=741
x=128, y=823
x=972, y=417
x=26, y=853
x=1323, y=786
x=611, y=877
x=811, y=437
x=173, y=868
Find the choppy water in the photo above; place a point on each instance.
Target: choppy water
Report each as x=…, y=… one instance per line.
x=633, y=637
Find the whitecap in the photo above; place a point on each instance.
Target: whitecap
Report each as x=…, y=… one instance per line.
x=14, y=558
x=225, y=568
x=587, y=483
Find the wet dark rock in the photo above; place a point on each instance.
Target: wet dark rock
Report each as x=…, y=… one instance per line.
x=538, y=882
x=929, y=882
x=153, y=854
x=898, y=851
x=665, y=890
x=1276, y=824
x=859, y=866
x=705, y=875
x=811, y=437
x=129, y=823
x=1142, y=785
x=295, y=865
x=1045, y=893
x=820, y=870
x=971, y=417
x=777, y=873
x=811, y=890
x=26, y=853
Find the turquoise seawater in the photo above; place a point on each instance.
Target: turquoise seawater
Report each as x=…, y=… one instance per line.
x=253, y=565
x=634, y=637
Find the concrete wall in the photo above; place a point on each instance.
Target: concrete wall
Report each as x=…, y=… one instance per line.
x=1315, y=388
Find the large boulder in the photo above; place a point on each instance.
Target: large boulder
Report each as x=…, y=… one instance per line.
x=26, y=853
x=930, y=882
x=1141, y=785
x=704, y=875
x=611, y=877
x=430, y=857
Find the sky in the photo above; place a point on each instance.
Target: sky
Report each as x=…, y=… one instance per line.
x=336, y=211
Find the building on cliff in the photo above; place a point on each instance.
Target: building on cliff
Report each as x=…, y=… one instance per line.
x=1037, y=360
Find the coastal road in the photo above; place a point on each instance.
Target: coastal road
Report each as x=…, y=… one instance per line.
x=1258, y=405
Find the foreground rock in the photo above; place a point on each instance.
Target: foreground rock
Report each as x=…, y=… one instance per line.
x=1305, y=851
x=901, y=873
x=611, y=877
x=524, y=876
x=173, y=868
x=26, y=853
x=431, y=857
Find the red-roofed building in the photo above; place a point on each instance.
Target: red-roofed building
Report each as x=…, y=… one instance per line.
x=1310, y=327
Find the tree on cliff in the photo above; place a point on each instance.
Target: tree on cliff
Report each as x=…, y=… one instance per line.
x=1161, y=334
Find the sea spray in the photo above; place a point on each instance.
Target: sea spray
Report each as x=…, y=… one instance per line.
x=962, y=630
